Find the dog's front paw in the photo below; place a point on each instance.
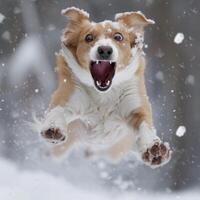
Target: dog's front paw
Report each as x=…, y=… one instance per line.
x=53, y=135
x=157, y=155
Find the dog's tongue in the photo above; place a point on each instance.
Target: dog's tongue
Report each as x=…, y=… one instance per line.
x=102, y=71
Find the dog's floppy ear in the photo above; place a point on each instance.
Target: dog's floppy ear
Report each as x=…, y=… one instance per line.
x=134, y=20
x=75, y=14
x=77, y=19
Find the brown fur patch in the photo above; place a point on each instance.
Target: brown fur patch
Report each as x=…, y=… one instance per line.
x=74, y=39
x=144, y=112
x=134, y=19
x=76, y=23
x=135, y=23
x=138, y=117
x=65, y=84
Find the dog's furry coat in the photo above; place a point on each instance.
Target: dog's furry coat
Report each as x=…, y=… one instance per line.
x=110, y=123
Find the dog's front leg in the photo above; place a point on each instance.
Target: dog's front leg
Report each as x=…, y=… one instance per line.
x=151, y=149
x=53, y=126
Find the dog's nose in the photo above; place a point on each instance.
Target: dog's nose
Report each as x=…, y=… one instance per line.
x=104, y=52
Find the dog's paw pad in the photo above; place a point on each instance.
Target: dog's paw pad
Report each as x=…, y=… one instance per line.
x=53, y=135
x=158, y=154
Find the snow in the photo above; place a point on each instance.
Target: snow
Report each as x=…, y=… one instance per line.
x=104, y=175
x=190, y=80
x=17, y=10
x=64, y=11
x=172, y=91
x=6, y=35
x=31, y=185
x=36, y=90
x=122, y=184
x=115, y=25
x=2, y=17
x=51, y=27
x=36, y=63
x=178, y=39
x=160, y=76
x=20, y=184
x=139, y=40
x=101, y=165
x=180, y=132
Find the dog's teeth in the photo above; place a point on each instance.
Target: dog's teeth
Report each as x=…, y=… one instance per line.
x=98, y=83
x=110, y=62
x=108, y=82
x=97, y=62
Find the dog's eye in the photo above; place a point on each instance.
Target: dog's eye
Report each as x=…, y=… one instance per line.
x=118, y=37
x=89, y=38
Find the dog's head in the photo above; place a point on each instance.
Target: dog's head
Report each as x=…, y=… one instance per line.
x=106, y=53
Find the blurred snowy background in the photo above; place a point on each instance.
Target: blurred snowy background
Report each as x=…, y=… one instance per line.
x=30, y=35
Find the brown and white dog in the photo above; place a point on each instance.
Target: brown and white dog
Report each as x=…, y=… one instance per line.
x=101, y=99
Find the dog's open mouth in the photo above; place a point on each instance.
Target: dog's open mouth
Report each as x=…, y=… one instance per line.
x=102, y=72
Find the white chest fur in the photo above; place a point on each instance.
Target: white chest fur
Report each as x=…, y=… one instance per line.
x=105, y=115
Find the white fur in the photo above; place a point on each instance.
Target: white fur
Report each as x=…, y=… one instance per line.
x=115, y=25
x=103, y=116
x=103, y=42
x=54, y=118
x=129, y=98
x=85, y=77
x=147, y=137
x=102, y=113
x=80, y=73
x=128, y=72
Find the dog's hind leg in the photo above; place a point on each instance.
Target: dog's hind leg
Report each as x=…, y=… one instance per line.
x=121, y=148
x=114, y=153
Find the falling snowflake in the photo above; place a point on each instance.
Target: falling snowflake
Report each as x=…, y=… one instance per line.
x=180, y=132
x=104, y=175
x=178, y=39
x=36, y=90
x=17, y=10
x=6, y=35
x=160, y=76
x=51, y=27
x=190, y=80
x=2, y=17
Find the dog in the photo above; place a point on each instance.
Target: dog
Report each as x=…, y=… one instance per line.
x=101, y=100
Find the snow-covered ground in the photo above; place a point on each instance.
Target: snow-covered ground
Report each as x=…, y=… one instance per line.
x=36, y=185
